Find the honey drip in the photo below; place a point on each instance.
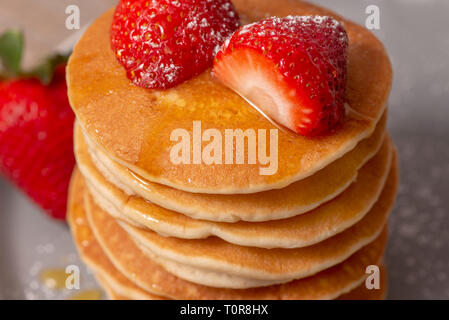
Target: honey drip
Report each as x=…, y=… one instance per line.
x=54, y=278
x=93, y=294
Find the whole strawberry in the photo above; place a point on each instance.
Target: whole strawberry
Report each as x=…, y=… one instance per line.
x=162, y=43
x=36, y=130
x=293, y=69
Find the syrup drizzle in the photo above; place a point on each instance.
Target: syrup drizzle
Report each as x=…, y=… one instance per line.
x=54, y=278
x=93, y=294
x=350, y=112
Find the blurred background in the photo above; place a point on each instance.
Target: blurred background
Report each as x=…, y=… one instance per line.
x=415, y=34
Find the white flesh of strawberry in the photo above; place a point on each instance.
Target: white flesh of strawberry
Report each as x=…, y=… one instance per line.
x=263, y=89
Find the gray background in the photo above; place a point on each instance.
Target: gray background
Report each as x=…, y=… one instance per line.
x=415, y=34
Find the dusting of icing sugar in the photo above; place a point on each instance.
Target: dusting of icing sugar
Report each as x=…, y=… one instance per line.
x=292, y=21
x=162, y=46
x=292, y=25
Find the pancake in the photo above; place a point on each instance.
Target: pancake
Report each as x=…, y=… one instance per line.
x=111, y=294
x=299, y=231
x=88, y=247
x=272, y=265
x=133, y=125
x=129, y=260
x=297, y=198
x=204, y=276
x=359, y=293
x=122, y=292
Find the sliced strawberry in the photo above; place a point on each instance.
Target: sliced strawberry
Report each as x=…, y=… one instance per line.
x=293, y=69
x=162, y=43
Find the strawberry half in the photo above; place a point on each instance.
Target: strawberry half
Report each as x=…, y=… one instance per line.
x=293, y=69
x=36, y=128
x=162, y=43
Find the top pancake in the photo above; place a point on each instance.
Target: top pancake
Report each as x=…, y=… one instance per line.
x=133, y=124
x=297, y=198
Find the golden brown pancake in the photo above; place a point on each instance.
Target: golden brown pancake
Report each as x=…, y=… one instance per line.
x=87, y=246
x=133, y=125
x=129, y=260
x=123, y=292
x=298, y=231
x=359, y=293
x=299, y=197
x=280, y=265
x=111, y=294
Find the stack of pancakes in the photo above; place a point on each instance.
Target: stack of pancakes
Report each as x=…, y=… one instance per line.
x=152, y=229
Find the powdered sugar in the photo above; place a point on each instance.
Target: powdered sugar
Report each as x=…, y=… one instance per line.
x=294, y=23
x=163, y=43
